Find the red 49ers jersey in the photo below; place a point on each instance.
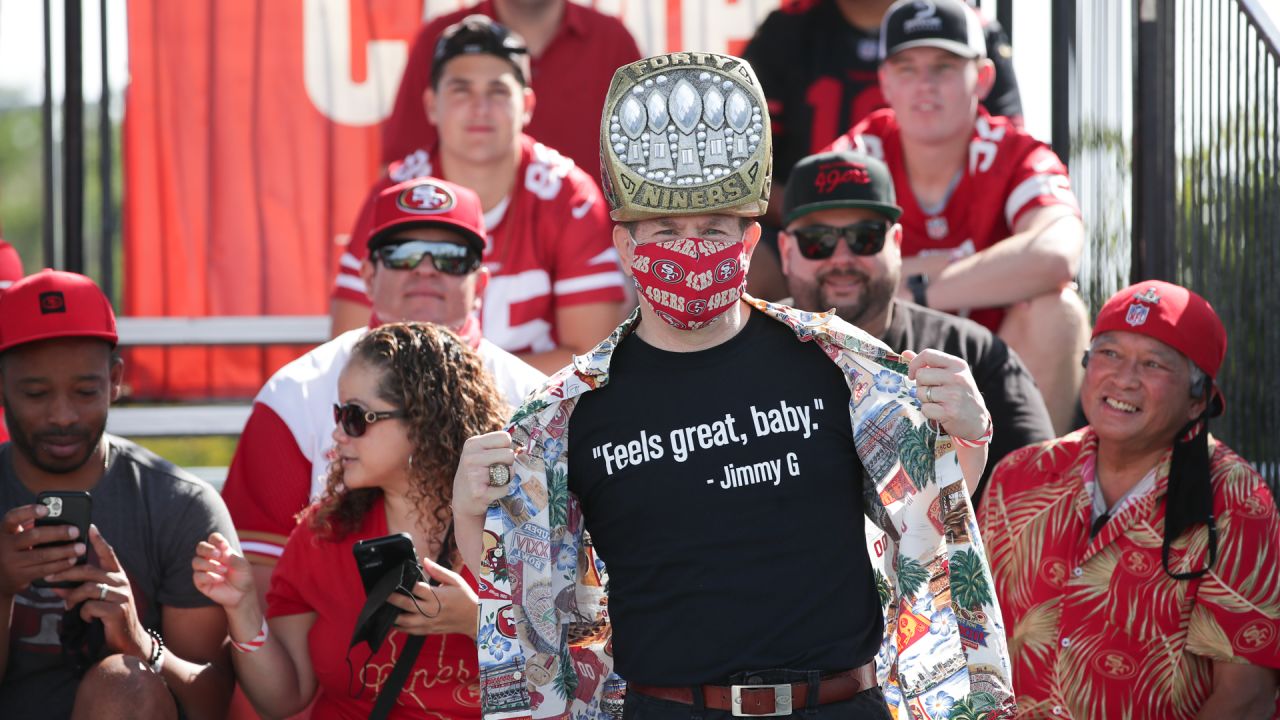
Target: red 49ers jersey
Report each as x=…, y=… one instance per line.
x=1009, y=172
x=550, y=246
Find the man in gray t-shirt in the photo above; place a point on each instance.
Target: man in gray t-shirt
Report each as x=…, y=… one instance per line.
x=138, y=640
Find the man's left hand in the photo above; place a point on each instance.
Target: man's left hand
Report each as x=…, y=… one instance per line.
x=947, y=393
x=114, y=606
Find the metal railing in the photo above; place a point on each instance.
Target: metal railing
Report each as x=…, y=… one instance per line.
x=145, y=420
x=1169, y=114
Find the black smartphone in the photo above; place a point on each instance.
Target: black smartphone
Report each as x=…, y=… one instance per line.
x=66, y=508
x=376, y=556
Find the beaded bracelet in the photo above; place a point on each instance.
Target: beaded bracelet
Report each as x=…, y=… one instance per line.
x=255, y=644
x=156, y=661
x=983, y=440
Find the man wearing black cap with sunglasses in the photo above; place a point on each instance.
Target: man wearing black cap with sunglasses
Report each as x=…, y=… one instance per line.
x=423, y=265
x=841, y=249
x=554, y=283
x=1138, y=559
x=990, y=226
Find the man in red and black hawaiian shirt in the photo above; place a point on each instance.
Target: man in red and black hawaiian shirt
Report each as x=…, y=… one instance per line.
x=990, y=227
x=1136, y=559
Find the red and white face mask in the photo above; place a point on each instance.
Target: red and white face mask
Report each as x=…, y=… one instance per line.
x=690, y=282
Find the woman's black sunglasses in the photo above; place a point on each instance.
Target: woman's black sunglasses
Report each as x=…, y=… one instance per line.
x=355, y=419
x=818, y=242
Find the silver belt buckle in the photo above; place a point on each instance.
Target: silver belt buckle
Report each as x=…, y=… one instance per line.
x=781, y=699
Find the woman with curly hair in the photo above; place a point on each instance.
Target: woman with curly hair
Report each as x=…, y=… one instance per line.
x=411, y=395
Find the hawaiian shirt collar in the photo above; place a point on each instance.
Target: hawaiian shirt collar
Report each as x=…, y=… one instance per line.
x=1082, y=475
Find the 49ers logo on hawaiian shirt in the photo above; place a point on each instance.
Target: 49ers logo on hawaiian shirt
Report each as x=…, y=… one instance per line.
x=1115, y=664
x=1256, y=635
x=426, y=198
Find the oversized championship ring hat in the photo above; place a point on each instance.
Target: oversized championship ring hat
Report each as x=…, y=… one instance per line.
x=685, y=134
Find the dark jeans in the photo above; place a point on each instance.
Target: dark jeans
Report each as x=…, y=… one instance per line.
x=866, y=705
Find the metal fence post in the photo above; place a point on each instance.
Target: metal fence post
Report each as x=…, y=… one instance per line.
x=106, y=256
x=1063, y=75
x=1004, y=15
x=48, y=224
x=1154, y=142
x=73, y=141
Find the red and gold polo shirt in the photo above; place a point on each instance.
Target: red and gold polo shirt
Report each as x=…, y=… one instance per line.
x=1096, y=628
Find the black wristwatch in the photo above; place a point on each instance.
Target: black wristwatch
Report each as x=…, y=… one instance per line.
x=918, y=284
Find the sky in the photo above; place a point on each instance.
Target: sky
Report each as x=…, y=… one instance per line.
x=21, y=50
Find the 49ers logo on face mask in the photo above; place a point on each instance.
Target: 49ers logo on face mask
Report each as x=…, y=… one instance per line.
x=668, y=271
x=692, y=281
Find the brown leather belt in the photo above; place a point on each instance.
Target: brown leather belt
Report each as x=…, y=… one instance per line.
x=768, y=700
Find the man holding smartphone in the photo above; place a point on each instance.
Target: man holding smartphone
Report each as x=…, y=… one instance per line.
x=104, y=642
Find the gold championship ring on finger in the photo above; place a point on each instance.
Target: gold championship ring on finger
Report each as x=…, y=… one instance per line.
x=499, y=475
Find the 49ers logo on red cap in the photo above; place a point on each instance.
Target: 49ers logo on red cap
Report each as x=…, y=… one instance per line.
x=426, y=199
x=52, y=302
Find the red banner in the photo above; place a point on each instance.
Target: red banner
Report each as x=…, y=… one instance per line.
x=250, y=139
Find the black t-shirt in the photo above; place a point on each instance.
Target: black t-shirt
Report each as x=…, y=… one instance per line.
x=723, y=491
x=1018, y=413
x=819, y=74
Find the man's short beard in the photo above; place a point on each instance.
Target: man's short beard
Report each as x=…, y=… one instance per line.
x=876, y=295
x=24, y=442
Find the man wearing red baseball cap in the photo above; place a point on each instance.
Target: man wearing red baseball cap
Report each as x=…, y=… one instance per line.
x=555, y=287
x=1136, y=559
x=117, y=651
x=422, y=263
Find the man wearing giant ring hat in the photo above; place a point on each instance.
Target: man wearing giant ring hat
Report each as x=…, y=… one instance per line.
x=720, y=455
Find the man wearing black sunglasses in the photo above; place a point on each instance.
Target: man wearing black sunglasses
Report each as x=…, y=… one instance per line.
x=1138, y=558
x=423, y=264
x=841, y=249
x=555, y=287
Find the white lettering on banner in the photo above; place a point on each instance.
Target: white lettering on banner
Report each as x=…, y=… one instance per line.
x=326, y=60
x=505, y=291
x=709, y=25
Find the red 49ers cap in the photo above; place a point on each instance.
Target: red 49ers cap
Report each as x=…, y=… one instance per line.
x=1173, y=315
x=54, y=304
x=427, y=202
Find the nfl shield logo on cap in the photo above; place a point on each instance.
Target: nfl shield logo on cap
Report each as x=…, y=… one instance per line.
x=1137, y=314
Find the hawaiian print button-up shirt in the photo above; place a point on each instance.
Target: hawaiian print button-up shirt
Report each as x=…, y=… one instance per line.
x=544, y=638
x=1097, y=628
